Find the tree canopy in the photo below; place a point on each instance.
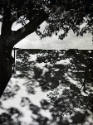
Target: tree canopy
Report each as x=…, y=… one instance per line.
x=60, y=15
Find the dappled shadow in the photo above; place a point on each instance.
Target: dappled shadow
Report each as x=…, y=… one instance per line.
x=11, y=117
x=47, y=89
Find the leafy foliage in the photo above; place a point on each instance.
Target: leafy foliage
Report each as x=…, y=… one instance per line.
x=63, y=15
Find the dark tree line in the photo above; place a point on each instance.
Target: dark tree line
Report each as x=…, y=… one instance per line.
x=60, y=15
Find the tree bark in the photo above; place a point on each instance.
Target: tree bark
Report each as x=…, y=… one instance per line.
x=5, y=68
x=5, y=53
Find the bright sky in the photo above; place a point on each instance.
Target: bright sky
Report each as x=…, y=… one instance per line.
x=70, y=42
x=32, y=41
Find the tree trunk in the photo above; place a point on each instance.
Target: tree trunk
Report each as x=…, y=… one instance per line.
x=8, y=39
x=5, y=51
x=5, y=67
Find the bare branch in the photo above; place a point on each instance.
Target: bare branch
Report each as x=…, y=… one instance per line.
x=18, y=35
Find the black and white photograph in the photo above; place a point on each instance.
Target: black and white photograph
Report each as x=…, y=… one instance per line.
x=46, y=62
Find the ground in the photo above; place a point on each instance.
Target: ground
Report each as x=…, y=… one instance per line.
x=49, y=87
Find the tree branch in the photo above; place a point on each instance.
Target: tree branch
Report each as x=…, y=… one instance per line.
x=18, y=35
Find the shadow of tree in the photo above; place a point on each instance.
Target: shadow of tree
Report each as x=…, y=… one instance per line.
x=59, y=74
x=11, y=117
